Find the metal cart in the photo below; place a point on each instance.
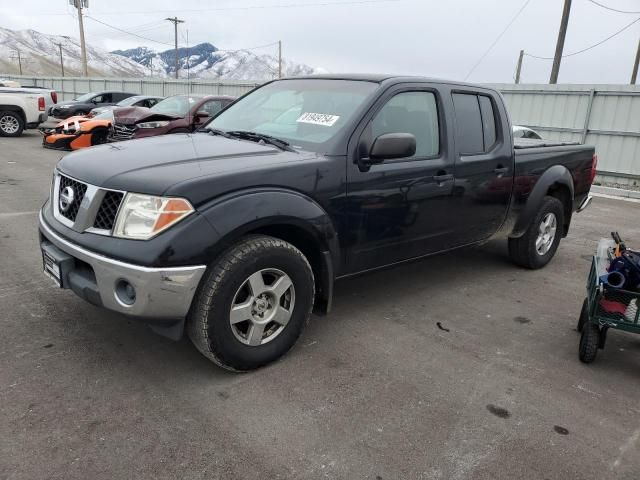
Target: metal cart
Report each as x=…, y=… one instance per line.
x=604, y=308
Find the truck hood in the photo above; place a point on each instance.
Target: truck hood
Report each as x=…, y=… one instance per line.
x=187, y=165
x=133, y=115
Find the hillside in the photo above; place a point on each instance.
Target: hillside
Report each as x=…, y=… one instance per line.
x=40, y=56
x=206, y=61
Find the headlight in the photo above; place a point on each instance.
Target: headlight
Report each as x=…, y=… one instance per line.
x=163, y=123
x=142, y=217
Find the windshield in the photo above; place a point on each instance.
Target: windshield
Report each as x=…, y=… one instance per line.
x=302, y=112
x=108, y=115
x=178, y=105
x=86, y=97
x=128, y=101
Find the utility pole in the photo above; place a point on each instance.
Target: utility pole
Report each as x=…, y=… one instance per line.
x=80, y=4
x=61, y=61
x=175, y=22
x=279, y=58
x=519, y=69
x=560, y=45
x=634, y=75
x=151, y=66
x=19, y=58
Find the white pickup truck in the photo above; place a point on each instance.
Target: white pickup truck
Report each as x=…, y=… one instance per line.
x=21, y=108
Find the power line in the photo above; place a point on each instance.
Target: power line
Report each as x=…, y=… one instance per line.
x=248, y=7
x=524, y=5
x=171, y=45
x=592, y=46
x=129, y=33
x=612, y=9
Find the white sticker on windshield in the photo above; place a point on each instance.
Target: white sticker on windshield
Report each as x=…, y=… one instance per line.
x=318, y=119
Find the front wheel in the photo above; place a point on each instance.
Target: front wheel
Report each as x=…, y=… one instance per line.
x=537, y=246
x=253, y=304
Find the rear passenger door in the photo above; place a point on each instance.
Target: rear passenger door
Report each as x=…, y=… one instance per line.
x=484, y=166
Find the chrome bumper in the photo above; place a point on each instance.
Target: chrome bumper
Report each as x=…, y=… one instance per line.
x=161, y=293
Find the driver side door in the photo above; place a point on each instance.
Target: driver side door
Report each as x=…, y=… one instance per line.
x=397, y=210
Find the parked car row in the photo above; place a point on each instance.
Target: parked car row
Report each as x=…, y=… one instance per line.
x=134, y=117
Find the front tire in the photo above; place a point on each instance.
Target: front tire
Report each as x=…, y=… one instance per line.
x=253, y=304
x=11, y=124
x=537, y=246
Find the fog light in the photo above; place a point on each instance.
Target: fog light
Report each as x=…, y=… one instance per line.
x=125, y=292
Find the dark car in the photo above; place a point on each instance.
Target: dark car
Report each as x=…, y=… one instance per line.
x=176, y=114
x=146, y=101
x=235, y=233
x=87, y=102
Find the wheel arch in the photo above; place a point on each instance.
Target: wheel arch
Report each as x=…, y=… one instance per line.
x=555, y=182
x=287, y=215
x=15, y=108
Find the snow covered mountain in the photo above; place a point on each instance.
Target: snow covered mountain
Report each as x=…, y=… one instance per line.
x=40, y=55
x=206, y=61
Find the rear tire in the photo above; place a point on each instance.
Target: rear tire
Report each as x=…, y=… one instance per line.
x=589, y=342
x=239, y=285
x=11, y=124
x=537, y=246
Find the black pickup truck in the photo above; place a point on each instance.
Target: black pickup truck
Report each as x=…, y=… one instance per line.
x=236, y=232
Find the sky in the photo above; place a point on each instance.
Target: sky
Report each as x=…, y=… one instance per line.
x=444, y=39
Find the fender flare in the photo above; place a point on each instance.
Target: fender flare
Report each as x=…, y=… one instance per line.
x=558, y=175
x=240, y=213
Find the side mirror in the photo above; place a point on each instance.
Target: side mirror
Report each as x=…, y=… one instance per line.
x=389, y=146
x=201, y=115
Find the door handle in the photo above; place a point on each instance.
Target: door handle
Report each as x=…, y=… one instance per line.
x=442, y=177
x=500, y=170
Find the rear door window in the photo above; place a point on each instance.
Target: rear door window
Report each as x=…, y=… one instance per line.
x=476, y=128
x=488, y=122
x=469, y=132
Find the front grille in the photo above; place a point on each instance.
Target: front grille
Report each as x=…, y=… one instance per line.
x=122, y=132
x=106, y=216
x=78, y=189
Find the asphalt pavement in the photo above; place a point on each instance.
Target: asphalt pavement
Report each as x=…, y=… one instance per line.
x=461, y=366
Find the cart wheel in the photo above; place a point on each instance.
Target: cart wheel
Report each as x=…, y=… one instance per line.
x=584, y=315
x=589, y=342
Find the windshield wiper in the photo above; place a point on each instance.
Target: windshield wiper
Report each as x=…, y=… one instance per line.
x=261, y=137
x=215, y=131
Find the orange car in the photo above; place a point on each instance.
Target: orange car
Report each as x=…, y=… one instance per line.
x=78, y=132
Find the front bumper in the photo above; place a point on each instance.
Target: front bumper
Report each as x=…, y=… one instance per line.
x=162, y=295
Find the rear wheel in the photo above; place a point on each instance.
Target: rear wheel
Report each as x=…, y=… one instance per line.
x=253, y=304
x=589, y=342
x=537, y=246
x=11, y=124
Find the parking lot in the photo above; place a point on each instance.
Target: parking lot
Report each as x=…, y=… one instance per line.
x=376, y=390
